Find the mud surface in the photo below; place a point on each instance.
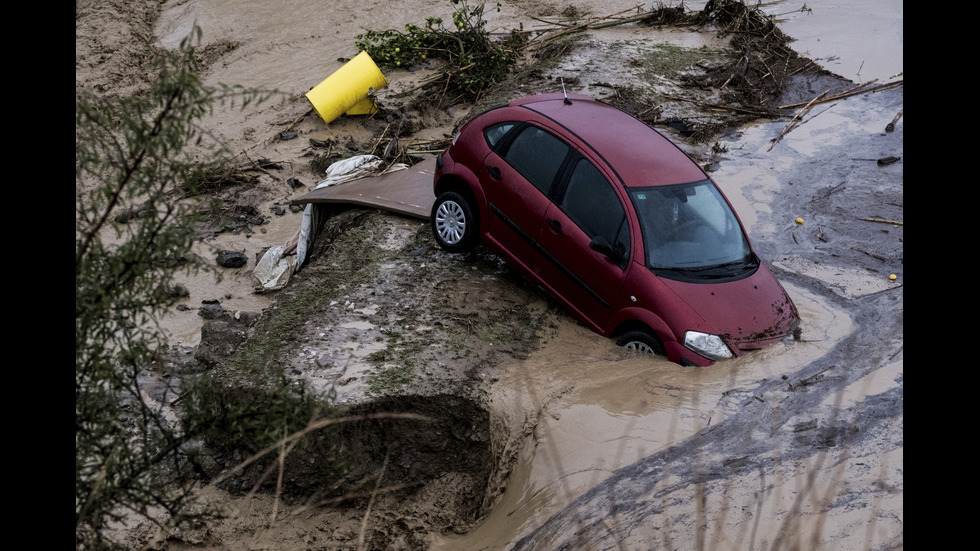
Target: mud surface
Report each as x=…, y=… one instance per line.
x=539, y=434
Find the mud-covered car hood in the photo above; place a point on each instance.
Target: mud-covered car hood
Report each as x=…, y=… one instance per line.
x=747, y=314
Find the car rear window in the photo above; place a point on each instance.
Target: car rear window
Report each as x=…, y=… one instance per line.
x=497, y=131
x=537, y=155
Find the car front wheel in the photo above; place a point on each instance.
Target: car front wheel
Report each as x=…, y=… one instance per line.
x=641, y=341
x=453, y=223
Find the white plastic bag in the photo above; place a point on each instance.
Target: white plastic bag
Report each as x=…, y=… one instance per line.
x=272, y=271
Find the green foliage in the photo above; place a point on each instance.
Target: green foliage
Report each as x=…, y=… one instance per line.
x=132, y=155
x=474, y=61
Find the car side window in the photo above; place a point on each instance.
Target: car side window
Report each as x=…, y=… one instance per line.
x=537, y=155
x=494, y=133
x=591, y=202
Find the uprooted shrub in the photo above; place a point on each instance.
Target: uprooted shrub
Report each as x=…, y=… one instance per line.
x=474, y=61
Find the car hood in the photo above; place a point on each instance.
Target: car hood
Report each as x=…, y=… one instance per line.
x=748, y=314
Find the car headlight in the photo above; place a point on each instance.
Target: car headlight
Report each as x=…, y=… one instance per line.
x=709, y=346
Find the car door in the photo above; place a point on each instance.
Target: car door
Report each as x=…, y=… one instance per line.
x=517, y=178
x=587, y=209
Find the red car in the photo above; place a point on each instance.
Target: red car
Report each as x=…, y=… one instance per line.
x=614, y=221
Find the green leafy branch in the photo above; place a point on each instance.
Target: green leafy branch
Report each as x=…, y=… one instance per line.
x=474, y=60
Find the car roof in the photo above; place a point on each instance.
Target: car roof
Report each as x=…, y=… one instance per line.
x=640, y=155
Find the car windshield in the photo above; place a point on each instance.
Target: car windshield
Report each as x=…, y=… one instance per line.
x=690, y=229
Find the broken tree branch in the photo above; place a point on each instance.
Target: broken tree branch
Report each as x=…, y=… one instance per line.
x=796, y=118
x=591, y=23
x=720, y=107
x=859, y=89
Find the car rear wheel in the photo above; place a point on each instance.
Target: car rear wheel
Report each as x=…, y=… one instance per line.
x=453, y=223
x=641, y=341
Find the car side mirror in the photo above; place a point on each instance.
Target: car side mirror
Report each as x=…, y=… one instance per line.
x=602, y=246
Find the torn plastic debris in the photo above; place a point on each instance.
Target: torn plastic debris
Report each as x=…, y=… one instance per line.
x=351, y=168
x=273, y=270
x=349, y=90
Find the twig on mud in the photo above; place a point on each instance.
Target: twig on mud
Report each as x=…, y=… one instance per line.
x=808, y=63
x=381, y=137
x=796, y=118
x=466, y=322
x=897, y=352
x=811, y=379
x=256, y=165
x=739, y=67
x=556, y=23
x=882, y=220
x=890, y=127
x=590, y=24
x=301, y=117
x=720, y=107
x=831, y=191
x=859, y=89
x=872, y=255
x=769, y=72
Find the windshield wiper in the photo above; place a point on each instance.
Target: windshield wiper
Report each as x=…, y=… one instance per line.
x=727, y=269
x=747, y=263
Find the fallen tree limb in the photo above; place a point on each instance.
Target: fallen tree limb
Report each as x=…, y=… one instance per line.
x=794, y=122
x=860, y=89
x=720, y=107
x=590, y=24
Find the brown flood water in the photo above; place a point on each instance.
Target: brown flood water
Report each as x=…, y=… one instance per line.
x=604, y=409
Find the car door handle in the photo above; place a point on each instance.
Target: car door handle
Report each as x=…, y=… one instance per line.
x=494, y=172
x=555, y=226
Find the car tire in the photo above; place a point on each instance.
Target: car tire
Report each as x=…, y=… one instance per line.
x=641, y=341
x=454, y=223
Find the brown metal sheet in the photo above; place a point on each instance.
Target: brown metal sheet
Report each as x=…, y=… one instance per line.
x=407, y=191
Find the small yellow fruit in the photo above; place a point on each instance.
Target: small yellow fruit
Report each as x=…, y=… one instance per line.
x=799, y=220
x=893, y=277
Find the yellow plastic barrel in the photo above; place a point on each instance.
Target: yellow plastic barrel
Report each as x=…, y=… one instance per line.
x=347, y=90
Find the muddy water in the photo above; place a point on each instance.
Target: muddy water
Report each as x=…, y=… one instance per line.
x=860, y=40
x=604, y=408
x=232, y=287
